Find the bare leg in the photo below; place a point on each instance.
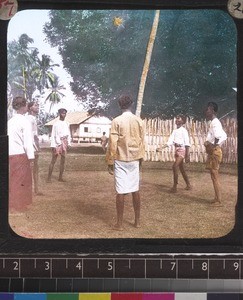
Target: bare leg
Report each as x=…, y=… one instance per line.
x=62, y=166
x=136, y=205
x=175, y=169
x=51, y=166
x=216, y=185
x=119, y=211
x=184, y=175
x=36, y=175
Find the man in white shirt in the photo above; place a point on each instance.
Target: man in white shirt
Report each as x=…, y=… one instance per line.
x=33, y=110
x=60, y=140
x=215, y=138
x=21, y=157
x=104, y=141
x=179, y=138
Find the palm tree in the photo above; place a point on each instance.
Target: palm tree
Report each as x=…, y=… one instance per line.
x=43, y=72
x=21, y=58
x=147, y=62
x=55, y=96
x=26, y=71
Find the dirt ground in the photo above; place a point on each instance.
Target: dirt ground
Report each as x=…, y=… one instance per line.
x=84, y=205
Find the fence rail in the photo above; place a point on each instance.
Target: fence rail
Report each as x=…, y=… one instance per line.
x=157, y=132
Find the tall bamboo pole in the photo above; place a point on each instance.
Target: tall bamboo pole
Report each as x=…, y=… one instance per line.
x=147, y=62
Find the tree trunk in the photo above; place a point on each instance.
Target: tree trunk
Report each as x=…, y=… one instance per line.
x=147, y=62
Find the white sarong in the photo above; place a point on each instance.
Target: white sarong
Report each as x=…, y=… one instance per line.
x=126, y=176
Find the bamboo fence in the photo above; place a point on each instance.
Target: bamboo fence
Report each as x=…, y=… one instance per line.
x=157, y=132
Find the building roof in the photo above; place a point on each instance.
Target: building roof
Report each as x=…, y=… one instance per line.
x=98, y=120
x=73, y=118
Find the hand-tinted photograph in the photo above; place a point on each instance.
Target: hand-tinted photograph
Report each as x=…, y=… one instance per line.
x=122, y=124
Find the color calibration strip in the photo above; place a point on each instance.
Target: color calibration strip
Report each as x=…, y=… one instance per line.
x=122, y=296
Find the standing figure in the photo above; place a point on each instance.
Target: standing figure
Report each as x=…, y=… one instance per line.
x=33, y=110
x=180, y=139
x=124, y=154
x=60, y=140
x=215, y=138
x=21, y=157
x=104, y=141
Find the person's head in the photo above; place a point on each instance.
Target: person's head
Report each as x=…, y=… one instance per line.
x=33, y=108
x=125, y=102
x=211, y=110
x=20, y=105
x=104, y=133
x=62, y=113
x=180, y=120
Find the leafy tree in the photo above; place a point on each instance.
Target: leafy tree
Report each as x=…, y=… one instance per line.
x=193, y=60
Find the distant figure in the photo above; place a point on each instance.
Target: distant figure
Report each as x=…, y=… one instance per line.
x=180, y=139
x=215, y=138
x=21, y=157
x=33, y=110
x=60, y=140
x=104, y=141
x=124, y=154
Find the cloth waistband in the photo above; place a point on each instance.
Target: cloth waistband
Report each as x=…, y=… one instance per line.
x=178, y=145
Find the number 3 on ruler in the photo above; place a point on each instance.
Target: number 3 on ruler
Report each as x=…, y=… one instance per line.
x=47, y=267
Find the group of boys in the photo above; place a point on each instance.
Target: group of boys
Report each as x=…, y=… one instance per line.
x=126, y=151
x=124, y=154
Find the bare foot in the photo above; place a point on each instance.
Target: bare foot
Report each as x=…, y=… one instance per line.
x=117, y=227
x=216, y=203
x=61, y=180
x=137, y=225
x=39, y=194
x=188, y=188
x=173, y=189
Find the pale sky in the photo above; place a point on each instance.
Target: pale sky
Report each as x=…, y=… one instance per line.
x=31, y=22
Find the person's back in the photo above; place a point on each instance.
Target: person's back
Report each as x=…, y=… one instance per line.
x=124, y=155
x=127, y=129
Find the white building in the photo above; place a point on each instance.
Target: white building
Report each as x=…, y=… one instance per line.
x=85, y=127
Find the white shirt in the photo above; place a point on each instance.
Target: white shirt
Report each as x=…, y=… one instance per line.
x=216, y=132
x=20, y=136
x=179, y=136
x=60, y=129
x=33, y=123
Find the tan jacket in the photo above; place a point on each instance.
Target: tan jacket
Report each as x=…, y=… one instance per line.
x=126, y=140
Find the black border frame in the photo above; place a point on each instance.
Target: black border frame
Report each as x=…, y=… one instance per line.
x=10, y=243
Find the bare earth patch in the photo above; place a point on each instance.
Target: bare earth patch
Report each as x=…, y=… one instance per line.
x=84, y=205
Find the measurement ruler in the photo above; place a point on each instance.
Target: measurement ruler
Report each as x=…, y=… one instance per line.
x=122, y=267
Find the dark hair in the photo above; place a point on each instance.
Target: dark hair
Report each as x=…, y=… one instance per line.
x=213, y=105
x=18, y=102
x=125, y=102
x=61, y=110
x=30, y=104
x=183, y=117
